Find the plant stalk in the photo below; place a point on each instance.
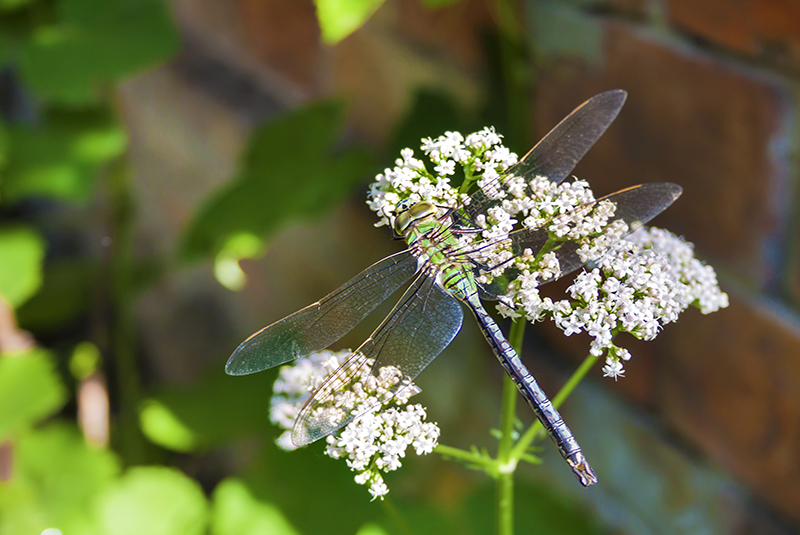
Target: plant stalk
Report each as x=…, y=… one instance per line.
x=129, y=441
x=505, y=458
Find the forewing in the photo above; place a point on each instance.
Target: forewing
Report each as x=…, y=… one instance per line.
x=556, y=155
x=322, y=323
x=421, y=325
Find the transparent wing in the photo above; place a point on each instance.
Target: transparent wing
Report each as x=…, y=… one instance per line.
x=322, y=323
x=421, y=325
x=635, y=206
x=556, y=155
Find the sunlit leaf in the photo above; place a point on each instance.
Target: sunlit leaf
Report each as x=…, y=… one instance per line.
x=30, y=390
x=153, y=500
x=85, y=360
x=162, y=427
x=340, y=18
x=236, y=512
x=21, y=254
x=290, y=170
x=94, y=43
x=60, y=156
x=227, y=270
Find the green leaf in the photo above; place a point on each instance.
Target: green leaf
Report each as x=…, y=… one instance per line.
x=95, y=43
x=60, y=156
x=161, y=426
x=288, y=171
x=54, y=479
x=21, y=255
x=30, y=389
x=153, y=500
x=340, y=18
x=227, y=270
x=236, y=512
x=85, y=360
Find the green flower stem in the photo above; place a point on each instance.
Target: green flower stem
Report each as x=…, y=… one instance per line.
x=393, y=513
x=535, y=429
x=507, y=461
x=489, y=465
x=129, y=441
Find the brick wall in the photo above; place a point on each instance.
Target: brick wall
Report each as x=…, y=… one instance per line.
x=712, y=106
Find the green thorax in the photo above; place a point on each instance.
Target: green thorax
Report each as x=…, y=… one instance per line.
x=431, y=241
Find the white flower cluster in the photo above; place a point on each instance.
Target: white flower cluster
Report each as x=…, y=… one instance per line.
x=375, y=441
x=294, y=386
x=410, y=179
x=644, y=281
x=641, y=282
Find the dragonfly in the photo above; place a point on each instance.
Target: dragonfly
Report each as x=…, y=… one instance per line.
x=429, y=314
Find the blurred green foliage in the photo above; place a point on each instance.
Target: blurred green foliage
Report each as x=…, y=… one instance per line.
x=21, y=255
x=281, y=179
x=340, y=18
x=60, y=156
x=60, y=142
x=89, y=44
x=30, y=389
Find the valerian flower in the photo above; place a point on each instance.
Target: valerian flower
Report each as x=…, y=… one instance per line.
x=640, y=281
x=376, y=441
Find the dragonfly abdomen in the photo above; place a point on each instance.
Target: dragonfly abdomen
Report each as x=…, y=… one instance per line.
x=526, y=384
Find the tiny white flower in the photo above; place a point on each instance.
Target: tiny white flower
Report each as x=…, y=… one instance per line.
x=377, y=440
x=613, y=369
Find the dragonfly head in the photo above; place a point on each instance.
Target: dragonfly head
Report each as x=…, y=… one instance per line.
x=408, y=214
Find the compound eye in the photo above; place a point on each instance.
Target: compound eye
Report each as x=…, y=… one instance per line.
x=403, y=206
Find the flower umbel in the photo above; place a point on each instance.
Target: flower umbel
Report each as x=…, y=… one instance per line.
x=376, y=441
x=641, y=281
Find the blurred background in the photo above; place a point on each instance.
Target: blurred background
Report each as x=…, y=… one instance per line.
x=175, y=175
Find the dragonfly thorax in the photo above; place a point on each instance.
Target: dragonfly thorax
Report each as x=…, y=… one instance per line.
x=409, y=215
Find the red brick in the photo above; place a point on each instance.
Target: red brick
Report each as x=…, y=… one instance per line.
x=758, y=28
x=733, y=388
x=692, y=120
x=454, y=31
x=284, y=35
